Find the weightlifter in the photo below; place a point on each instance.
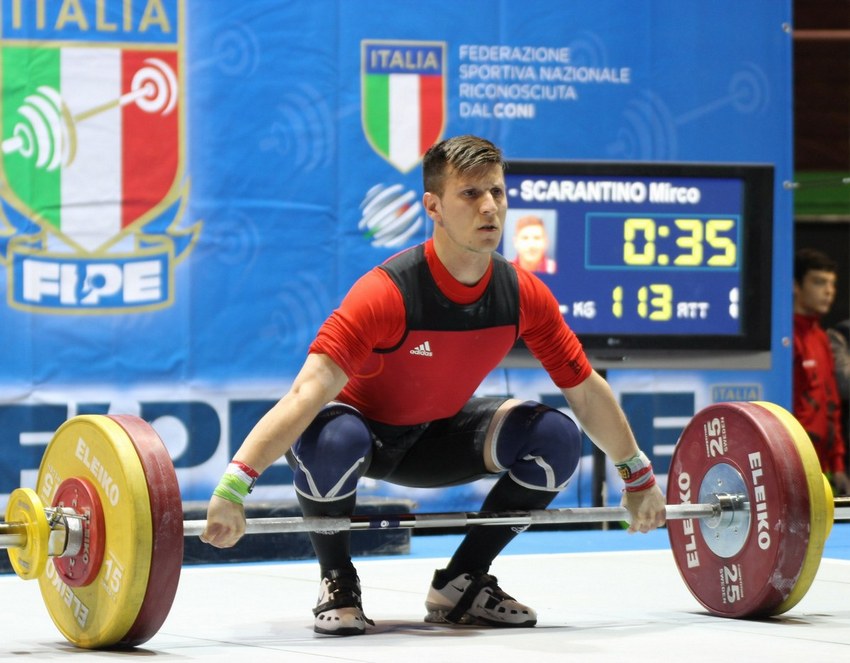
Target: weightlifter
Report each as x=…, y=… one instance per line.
x=386, y=392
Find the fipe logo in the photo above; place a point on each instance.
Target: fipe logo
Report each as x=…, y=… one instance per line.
x=92, y=167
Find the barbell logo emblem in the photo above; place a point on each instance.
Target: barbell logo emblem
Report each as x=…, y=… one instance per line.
x=46, y=130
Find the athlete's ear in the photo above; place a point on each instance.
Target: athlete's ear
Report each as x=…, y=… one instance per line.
x=431, y=203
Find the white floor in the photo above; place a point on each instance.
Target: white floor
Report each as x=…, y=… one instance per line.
x=600, y=606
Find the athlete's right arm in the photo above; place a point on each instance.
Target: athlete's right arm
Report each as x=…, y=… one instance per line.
x=318, y=382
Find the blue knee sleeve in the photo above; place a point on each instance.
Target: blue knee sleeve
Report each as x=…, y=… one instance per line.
x=539, y=446
x=332, y=454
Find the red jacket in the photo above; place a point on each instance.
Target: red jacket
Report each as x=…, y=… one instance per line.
x=817, y=404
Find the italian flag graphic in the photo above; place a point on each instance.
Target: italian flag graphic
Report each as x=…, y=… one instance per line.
x=403, y=99
x=405, y=116
x=90, y=136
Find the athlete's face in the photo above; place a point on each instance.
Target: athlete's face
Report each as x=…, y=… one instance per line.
x=470, y=213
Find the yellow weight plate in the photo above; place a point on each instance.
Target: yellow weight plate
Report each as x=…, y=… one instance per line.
x=24, y=506
x=830, y=505
x=96, y=448
x=821, y=505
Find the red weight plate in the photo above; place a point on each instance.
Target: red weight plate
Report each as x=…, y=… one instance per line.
x=80, y=495
x=755, y=579
x=167, y=521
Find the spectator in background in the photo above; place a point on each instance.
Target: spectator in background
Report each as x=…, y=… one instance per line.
x=817, y=403
x=531, y=243
x=839, y=338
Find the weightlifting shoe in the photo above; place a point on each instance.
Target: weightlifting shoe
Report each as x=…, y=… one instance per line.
x=474, y=599
x=339, y=610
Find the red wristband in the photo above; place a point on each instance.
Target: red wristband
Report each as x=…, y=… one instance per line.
x=247, y=469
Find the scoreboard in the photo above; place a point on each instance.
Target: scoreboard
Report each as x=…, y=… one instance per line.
x=651, y=256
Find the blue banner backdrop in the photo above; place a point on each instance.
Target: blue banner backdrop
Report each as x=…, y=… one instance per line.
x=284, y=184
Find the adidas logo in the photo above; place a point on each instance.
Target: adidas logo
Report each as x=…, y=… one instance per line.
x=424, y=349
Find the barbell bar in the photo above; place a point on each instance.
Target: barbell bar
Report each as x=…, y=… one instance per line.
x=451, y=520
x=14, y=535
x=561, y=516
x=748, y=514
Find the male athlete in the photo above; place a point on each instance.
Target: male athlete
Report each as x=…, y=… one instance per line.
x=386, y=392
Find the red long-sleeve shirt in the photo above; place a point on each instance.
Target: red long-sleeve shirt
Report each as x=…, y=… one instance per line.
x=392, y=376
x=817, y=404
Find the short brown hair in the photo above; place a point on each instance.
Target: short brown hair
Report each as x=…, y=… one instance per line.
x=462, y=154
x=808, y=260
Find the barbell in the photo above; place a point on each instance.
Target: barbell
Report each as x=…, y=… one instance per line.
x=749, y=512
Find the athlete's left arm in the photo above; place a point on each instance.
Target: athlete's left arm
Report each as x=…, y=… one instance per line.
x=600, y=415
x=595, y=406
x=590, y=397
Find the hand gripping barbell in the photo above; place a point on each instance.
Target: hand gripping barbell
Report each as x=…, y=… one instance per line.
x=749, y=512
x=47, y=131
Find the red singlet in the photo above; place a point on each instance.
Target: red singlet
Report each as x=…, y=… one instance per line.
x=407, y=367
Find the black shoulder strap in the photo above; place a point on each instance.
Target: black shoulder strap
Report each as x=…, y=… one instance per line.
x=428, y=308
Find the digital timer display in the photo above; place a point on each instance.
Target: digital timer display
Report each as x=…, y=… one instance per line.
x=639, y=254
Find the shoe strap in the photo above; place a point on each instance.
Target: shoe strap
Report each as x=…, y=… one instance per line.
x=479, y=581
x=343, y=592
